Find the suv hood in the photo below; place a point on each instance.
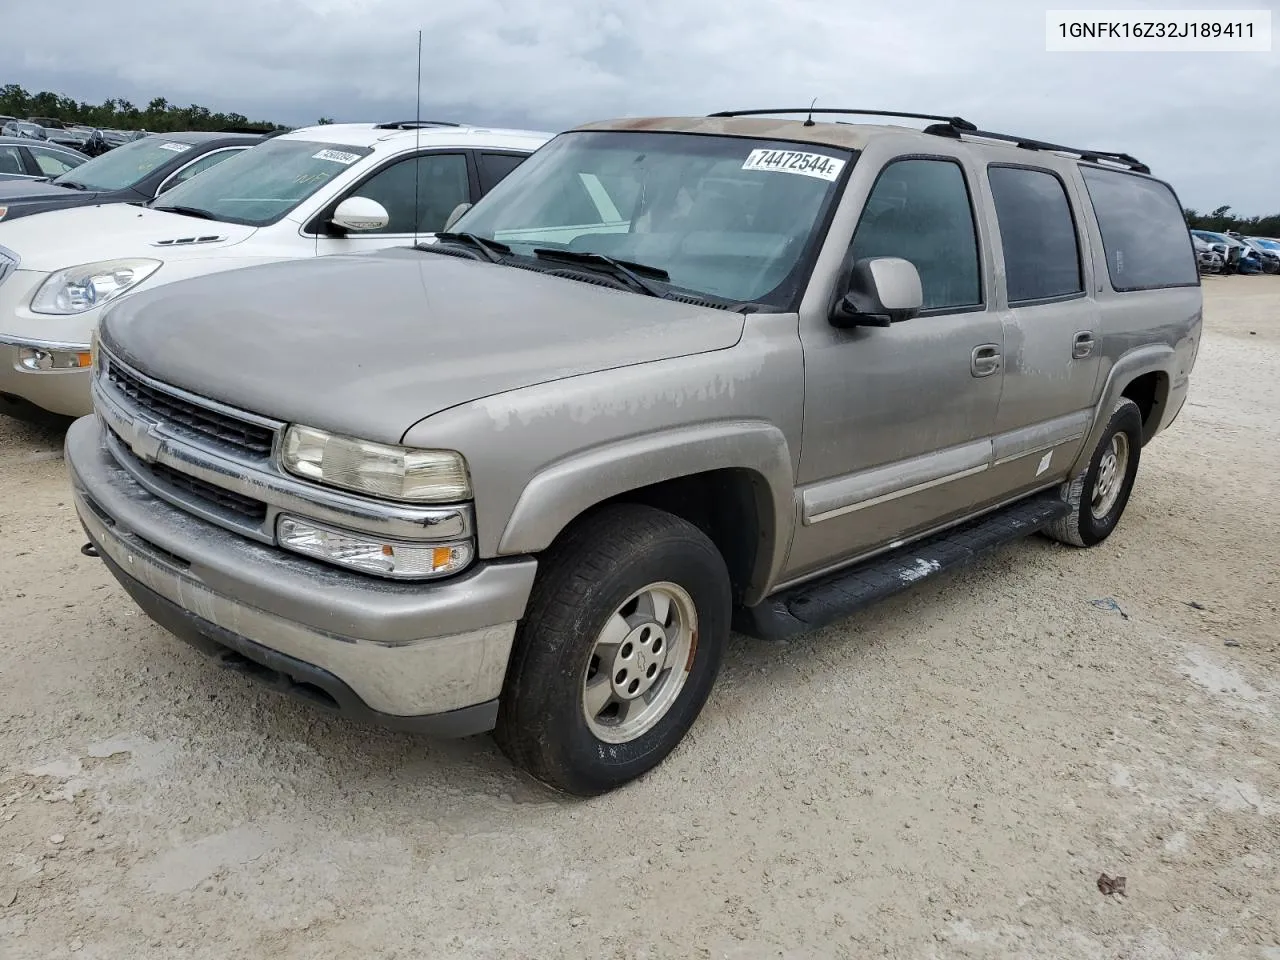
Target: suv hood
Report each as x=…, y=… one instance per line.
x=367, y=345
x=67, y=238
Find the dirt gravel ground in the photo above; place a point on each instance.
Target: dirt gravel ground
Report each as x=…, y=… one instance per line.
x=946, y=775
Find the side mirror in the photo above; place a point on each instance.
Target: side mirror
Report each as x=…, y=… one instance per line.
x=458, y=211
x=882, y=290
x=360, y=213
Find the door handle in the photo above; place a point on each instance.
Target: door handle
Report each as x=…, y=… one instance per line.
x=985, y=360
x=1082, y=345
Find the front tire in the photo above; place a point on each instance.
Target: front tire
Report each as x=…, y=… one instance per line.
x=1099, y=495
x=618, y=652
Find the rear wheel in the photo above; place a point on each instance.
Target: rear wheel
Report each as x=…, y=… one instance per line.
x=620, y=648
x=1099, y=495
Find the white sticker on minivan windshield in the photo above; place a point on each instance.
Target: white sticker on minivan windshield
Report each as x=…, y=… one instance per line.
x=176, y=147
x=337, y=156
x=793, y=161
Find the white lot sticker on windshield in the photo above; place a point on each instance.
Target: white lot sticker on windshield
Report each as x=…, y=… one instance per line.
x=793, y=161
x=337, y=156
x=176, y=147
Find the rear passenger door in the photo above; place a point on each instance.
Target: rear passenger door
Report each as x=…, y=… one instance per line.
x=1051, y=326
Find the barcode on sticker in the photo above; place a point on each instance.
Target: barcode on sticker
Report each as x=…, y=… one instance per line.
x=793, y=161
x=337, y=156
x=176, y=147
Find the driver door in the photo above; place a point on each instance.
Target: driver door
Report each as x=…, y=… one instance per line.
x=898, y=420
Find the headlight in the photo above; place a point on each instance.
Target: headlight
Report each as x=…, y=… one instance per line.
x=378, y=469
x=362, y=551
x=77, y=289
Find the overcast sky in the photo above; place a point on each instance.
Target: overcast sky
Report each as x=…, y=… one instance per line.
x=1206, y=122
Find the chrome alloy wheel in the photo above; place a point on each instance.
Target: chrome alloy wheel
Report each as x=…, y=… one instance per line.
x=1111, y=473
x=640, y=662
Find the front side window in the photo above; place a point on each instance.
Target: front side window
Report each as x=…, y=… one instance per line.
x=260, y=185
x=1037, y=234
x=53, y=163
x=201, y=165
x=728, y=217
x=125, y=166
x=11, y=161
x=919, y=210
x=1143, y=231
x=418, y=193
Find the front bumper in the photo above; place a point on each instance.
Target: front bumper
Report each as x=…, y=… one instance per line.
x=431, y=657
x=63, y=392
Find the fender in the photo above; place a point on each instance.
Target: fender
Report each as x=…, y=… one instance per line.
x=563, y=490
x=1151, y=358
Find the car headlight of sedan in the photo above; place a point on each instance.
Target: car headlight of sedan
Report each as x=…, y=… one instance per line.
x=78, y=289
x=376, y=469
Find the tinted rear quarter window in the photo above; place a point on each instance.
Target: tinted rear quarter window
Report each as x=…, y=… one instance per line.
x=1143, y=230
x=1037, y=234
x=495, y=166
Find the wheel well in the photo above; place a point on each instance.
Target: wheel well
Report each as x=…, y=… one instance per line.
x=1149, y=392
x=732, y=507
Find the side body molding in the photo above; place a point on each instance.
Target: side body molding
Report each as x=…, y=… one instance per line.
x=564, y=489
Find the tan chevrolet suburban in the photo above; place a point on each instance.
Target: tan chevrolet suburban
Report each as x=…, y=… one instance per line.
x=671, y=375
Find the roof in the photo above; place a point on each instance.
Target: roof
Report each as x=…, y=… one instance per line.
x=853, y=136
x=371, y=134
x=205, y=136
x=46, y=144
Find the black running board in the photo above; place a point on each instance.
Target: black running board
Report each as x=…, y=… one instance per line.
x=828, y=599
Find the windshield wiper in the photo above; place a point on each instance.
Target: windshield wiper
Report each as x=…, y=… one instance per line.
x=189, y=212
x=623, y=268
x=494, y=250
x=74, y=185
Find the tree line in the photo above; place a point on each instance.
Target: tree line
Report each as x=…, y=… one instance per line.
x=158, y=116
x=1220, y=221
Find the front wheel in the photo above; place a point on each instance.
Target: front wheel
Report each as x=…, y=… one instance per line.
x=1099, y=495
x=619, y=650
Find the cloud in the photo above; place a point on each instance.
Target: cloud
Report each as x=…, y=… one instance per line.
x=1200, y=120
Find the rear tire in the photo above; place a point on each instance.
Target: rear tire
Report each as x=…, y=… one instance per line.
x=1099, y=495
x=620, y=647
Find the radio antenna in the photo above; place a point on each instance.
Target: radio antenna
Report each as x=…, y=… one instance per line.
x=417, y=142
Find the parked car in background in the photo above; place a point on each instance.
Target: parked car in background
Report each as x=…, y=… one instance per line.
x=1268, y=259
x=1240, y=257
x=49, y=123
x=24, y=128
x=673, y=374
x=25, y=159
x=1210, y=257
x=323, y=190
x=129, y=174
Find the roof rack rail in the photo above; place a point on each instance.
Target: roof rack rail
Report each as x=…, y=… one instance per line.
x=958, y=123
x=413, y=124
x=1025, y=143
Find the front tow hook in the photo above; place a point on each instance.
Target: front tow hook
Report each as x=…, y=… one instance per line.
x=89, y=550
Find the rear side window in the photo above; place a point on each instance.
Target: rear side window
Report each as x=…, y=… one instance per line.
x=1037, y=233
x=495, y=166
x=1143, y=231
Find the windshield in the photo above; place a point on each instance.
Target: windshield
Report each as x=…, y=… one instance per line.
x=728, y=217
x=262, y=184
x=124, y=166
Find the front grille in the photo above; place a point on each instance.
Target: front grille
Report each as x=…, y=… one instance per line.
x=222, y=428
x=238, y=504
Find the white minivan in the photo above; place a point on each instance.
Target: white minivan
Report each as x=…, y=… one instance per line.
x=331, y=189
